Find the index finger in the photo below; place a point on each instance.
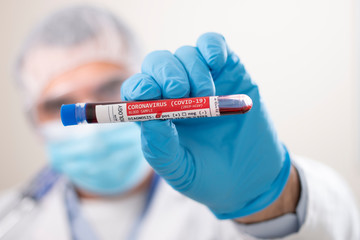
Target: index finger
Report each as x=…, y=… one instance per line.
x=168, y=72
x=214, y=50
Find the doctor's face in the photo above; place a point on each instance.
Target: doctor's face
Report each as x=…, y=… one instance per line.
x=99, y=160
x=93, y=82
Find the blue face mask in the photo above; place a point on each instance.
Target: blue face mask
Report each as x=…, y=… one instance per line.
x=104, y=159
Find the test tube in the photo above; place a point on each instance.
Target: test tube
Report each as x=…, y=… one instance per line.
x=134, y=111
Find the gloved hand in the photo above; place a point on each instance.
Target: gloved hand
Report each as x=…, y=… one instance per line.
x=235, y=164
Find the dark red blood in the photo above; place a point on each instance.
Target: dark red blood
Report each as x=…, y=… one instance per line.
x=229, y=111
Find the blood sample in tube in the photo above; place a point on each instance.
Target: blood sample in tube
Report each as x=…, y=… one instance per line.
x=136, y=111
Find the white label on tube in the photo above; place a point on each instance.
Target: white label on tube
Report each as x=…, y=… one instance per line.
x=158, y=109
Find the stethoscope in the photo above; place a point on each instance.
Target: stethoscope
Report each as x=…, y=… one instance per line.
x=27, y=201
x=135, y=229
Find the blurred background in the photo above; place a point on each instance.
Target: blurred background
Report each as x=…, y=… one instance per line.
x=305, y=56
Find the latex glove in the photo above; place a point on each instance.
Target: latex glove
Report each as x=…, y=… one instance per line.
x=236, y=164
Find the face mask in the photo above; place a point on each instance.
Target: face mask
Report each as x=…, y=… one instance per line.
x=104, y=159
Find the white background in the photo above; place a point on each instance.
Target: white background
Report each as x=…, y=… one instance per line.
x=303, y=54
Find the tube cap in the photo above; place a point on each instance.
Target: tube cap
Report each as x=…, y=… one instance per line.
x=67, y=113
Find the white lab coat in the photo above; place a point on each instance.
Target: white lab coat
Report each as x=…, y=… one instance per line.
x=331, y=214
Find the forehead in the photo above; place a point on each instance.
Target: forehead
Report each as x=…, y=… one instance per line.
x=83, y=77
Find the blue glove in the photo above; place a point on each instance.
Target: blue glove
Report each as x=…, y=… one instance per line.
x=235, y=164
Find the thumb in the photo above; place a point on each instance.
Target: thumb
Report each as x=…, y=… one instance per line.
x=161, y=148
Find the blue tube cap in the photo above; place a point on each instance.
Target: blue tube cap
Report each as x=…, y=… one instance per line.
x=67, y=113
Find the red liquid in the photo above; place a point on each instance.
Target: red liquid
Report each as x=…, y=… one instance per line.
x=234, y=104
x=229, y=111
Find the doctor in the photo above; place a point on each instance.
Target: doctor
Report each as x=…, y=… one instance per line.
x=221, y=178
